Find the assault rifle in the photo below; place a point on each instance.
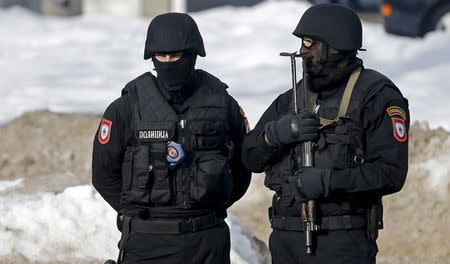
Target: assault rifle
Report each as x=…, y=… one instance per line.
x=307, y=209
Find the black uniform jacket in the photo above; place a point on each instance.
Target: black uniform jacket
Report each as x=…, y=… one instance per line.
x=386, y=165
x=107, y=158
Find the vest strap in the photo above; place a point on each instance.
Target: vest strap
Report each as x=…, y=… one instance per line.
x=345, y=101
x=348, y=92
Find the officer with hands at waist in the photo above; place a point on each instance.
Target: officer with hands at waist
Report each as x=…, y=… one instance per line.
x=357, y=120
x=167, y=154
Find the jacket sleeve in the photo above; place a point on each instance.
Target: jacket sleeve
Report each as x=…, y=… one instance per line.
x=255, y=151
x=238, y=128
x=386, y=125
x=107, y=156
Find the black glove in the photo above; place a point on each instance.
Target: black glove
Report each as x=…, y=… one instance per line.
x=292, y=128
x=311, y=183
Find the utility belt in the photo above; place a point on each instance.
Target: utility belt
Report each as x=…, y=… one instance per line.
x=372, y=220
x=130, y=224
x=325, y=223
x=170, y=226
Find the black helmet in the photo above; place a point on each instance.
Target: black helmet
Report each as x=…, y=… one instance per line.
x=336, y=25
x=173, y=32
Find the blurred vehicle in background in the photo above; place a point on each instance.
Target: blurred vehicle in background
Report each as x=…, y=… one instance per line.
x=357, y=5
x=120, y=7
x=415, y=18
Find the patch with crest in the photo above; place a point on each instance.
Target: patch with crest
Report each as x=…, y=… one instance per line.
x=399, y=129
x=104, y=132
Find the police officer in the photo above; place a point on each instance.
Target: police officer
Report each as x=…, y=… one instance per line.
x=167, y=154
x=358, y=121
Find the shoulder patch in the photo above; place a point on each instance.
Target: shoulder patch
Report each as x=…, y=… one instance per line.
x=104, y=132
x=399, y=129
x=396, y=111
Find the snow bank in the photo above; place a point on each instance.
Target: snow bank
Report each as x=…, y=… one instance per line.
x=8, y=185
x=73, y=224
x=78, y=224
x=80, y=64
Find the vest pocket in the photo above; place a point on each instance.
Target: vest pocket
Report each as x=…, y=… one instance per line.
x=127, y=168
x=212, y=182
x=206, y=135
x=139, y=185
x=333, y=157
x=333, y=150
x=135, y=175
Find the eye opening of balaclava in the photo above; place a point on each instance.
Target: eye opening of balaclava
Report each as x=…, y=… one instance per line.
x=175, y=74
x=326, y=69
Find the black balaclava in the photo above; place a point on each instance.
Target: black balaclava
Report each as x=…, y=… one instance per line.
x=175, y=74
x=328, y=71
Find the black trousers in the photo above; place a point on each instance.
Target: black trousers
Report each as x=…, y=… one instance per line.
x=211, y=246
x=340, y=246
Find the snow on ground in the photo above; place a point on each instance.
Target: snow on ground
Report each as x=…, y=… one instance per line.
x=77, y=224
x=47, y=227
x=80, y=64
x=9, y=185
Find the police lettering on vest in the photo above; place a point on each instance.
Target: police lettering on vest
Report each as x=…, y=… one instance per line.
x=154, y=134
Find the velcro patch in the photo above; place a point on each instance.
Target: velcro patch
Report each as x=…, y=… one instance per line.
x=396, y=111
x=104, y=132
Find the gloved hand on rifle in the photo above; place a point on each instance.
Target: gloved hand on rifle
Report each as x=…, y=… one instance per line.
x=292, y=129
x=311, y=184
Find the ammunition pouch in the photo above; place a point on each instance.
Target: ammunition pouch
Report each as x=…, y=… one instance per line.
x=212, y=181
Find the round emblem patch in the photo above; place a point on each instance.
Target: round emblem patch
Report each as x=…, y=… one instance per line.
x=172, y=152
x=104, y=131
x=400, y=129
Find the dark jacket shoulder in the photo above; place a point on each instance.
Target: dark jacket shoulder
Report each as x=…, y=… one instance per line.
x=380, y=85
x=133, y=82
x=206, y=78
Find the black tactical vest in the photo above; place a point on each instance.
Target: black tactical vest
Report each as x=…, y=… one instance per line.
x=340, y=145
x=203, y=178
